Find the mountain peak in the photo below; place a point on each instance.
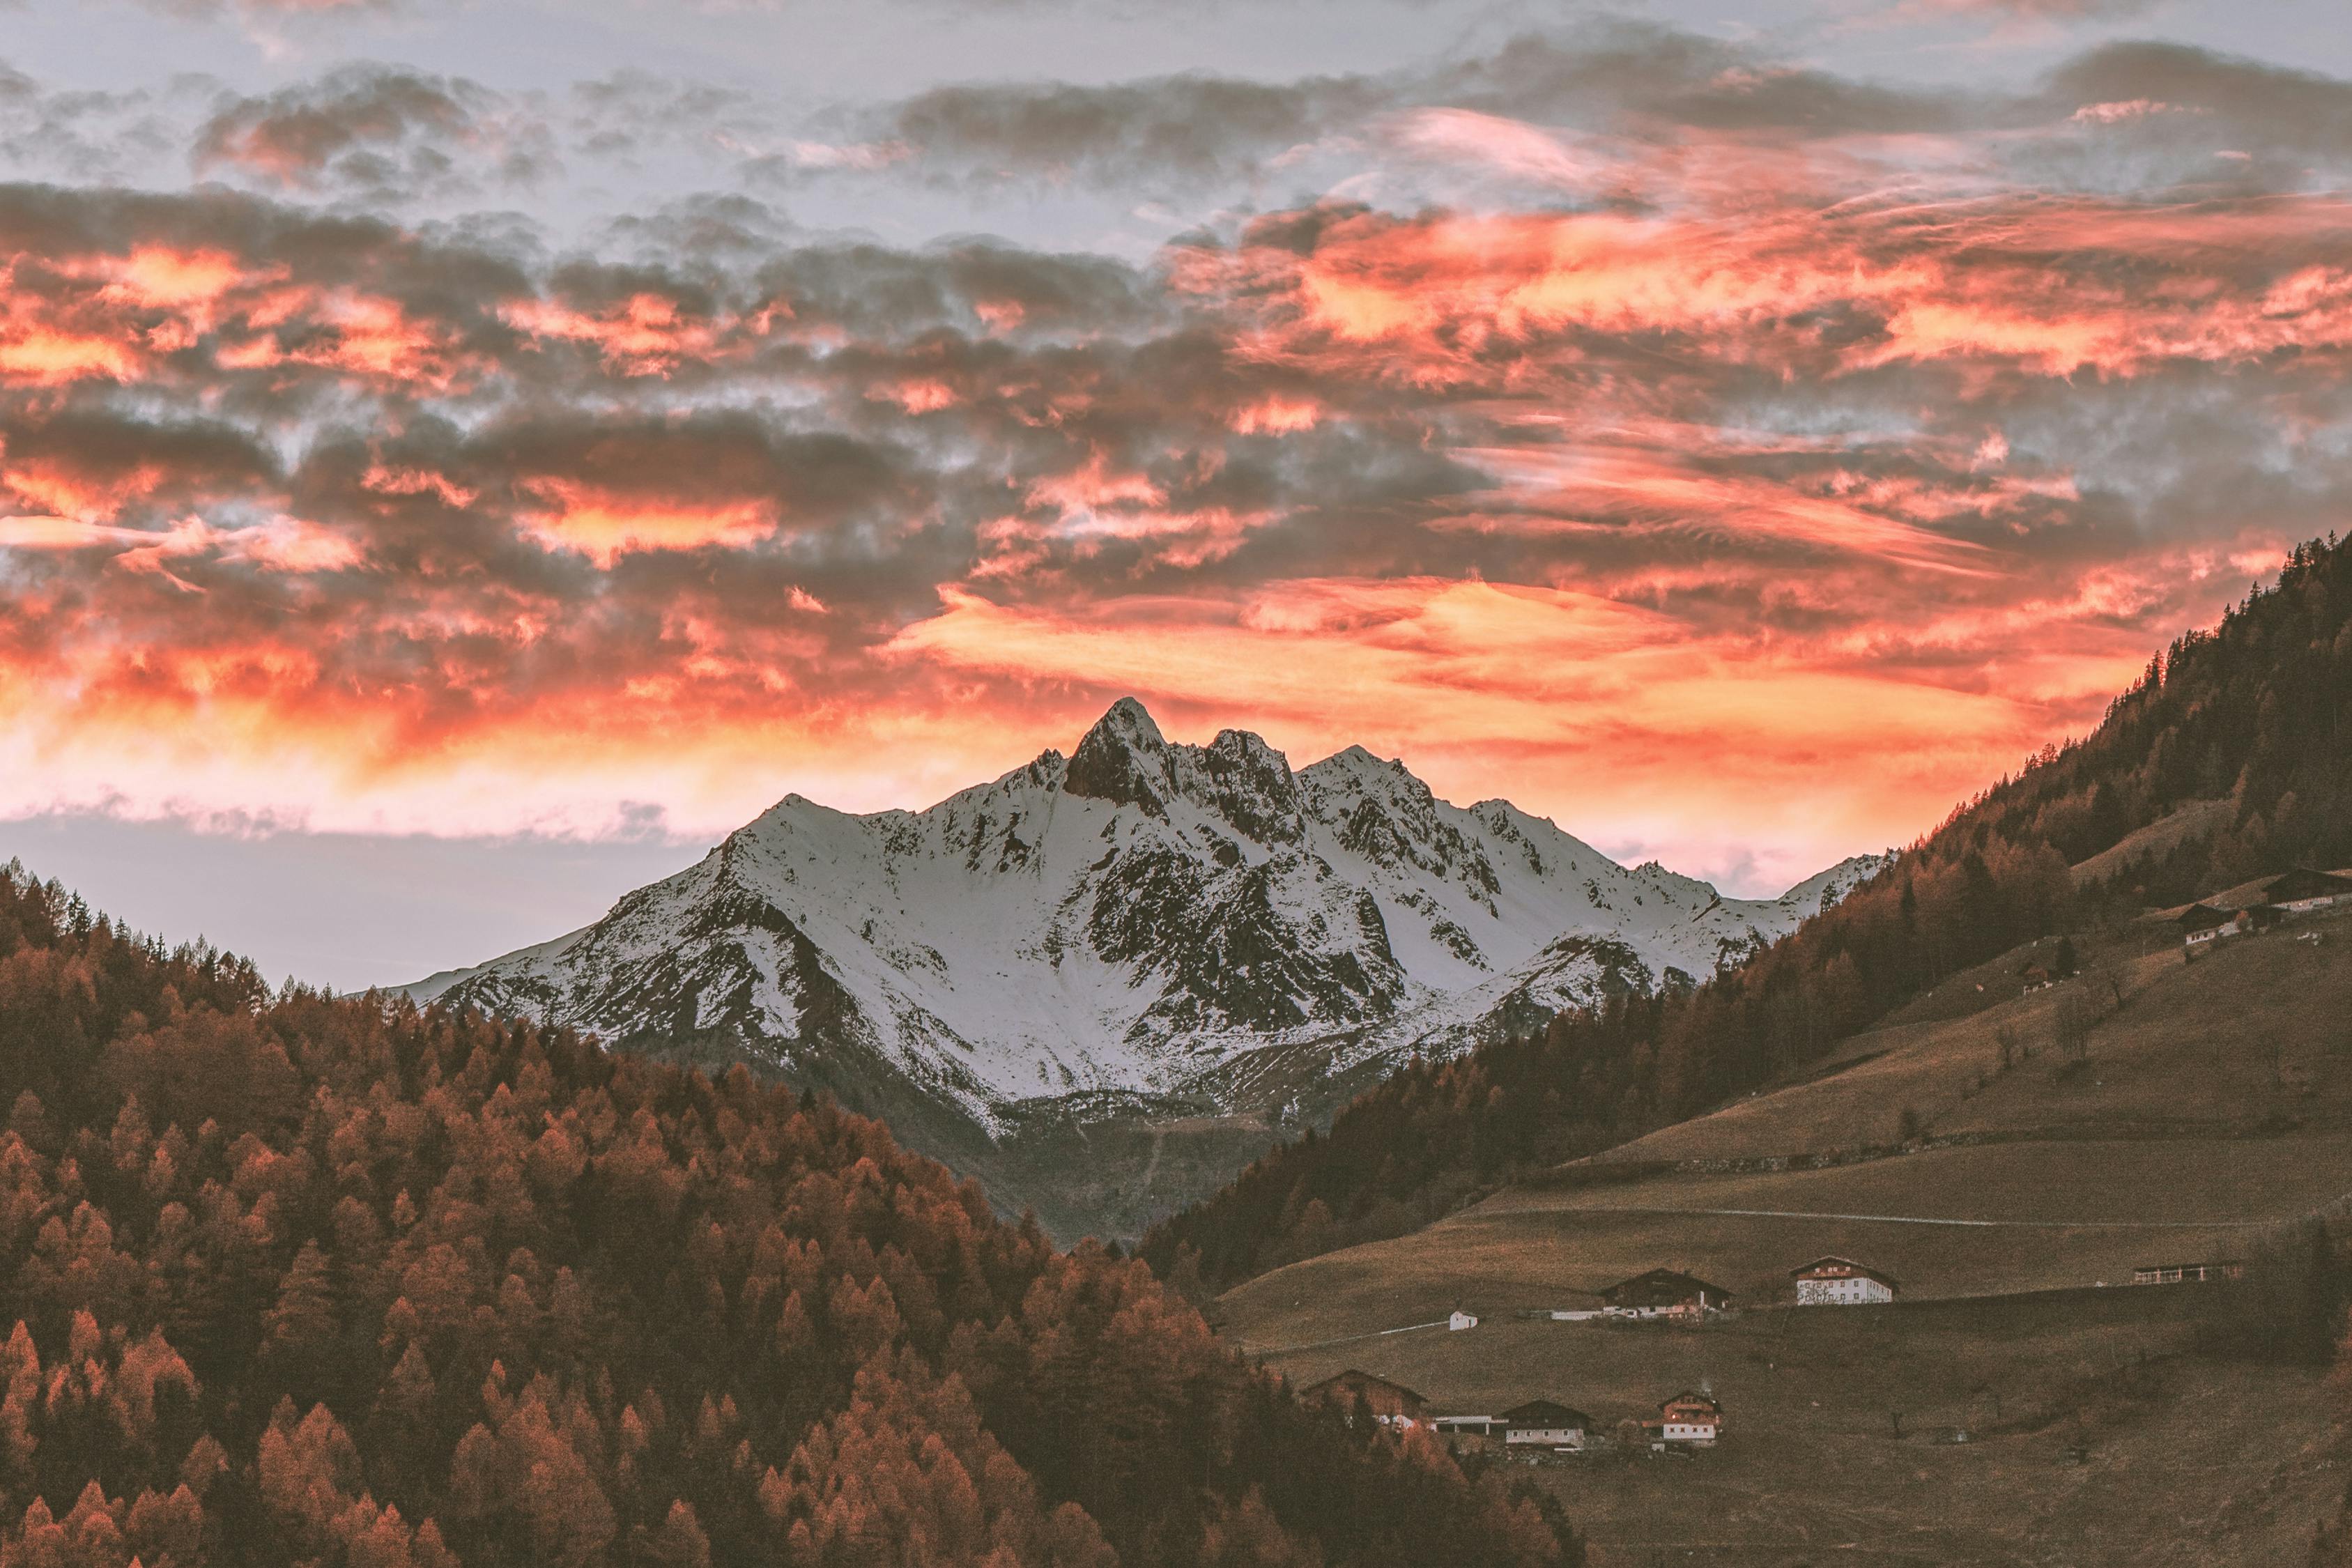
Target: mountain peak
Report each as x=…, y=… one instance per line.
x=1124, y=759
x=1020, y=948
x=1129, y=720
x=1354, y=763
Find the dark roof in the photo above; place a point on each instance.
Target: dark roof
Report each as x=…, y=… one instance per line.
x=1545, y=1413
x=1337, y=1378
x=1692, y=1395
x=1850, y=1263
x=2279, y=888
x=2303, y=883
x=2200, y=916
x=1663, y=1285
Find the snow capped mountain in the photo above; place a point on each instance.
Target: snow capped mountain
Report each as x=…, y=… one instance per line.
x=1140, y=926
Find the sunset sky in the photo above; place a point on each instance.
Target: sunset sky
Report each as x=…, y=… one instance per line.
x=456, y=460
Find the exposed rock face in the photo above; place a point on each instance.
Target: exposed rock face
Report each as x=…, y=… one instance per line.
x=1144, y=930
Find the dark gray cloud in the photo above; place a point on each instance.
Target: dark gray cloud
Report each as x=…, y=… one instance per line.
x=1187, y=130
x=389, y=135
x=2123, y=116
x=2261, y=104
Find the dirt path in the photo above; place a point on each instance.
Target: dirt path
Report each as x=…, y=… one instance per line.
x=1343, y=1340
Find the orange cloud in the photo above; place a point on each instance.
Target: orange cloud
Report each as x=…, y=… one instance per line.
x=1546, y=488
x=1614, y=719
x=604, y=525
x=394, y=481
x=46, y=358
x=646, y=334
x=1277, y=417
x=921, y=395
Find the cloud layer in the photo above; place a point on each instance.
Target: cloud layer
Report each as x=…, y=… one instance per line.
x=1726, y=457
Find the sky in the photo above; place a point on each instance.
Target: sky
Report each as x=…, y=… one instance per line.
x=459, y=459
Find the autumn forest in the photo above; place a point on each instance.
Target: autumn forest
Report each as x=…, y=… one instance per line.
x=320, y=1280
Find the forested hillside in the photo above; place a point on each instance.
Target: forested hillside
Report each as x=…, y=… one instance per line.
x=301, y=1279
x=2257, y=711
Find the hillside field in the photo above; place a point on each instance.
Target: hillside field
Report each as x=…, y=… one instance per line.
x=2181, y=1137
x=2218, y=1463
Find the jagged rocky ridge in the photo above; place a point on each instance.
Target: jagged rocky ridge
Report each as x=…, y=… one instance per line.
x=1139, y=929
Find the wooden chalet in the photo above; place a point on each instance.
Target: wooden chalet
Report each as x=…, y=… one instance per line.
x=2301, y=891
x=1545, y=1424
x=1392, y=1404
x=2199, y=924
x=1666, y=1293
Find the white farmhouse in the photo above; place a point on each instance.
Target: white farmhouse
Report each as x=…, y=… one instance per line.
x=1841, y=1282
x=1691, y=1419
x=1460, y=1320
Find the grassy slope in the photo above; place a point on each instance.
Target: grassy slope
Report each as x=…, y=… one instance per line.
x=2189, y=1050
x=2180, y=1116
x=2197, y=819
x=1529, y=1249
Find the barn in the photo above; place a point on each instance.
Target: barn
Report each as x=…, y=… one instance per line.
x=2302, y=891
x=1392, y=1403
x=1666, y=1293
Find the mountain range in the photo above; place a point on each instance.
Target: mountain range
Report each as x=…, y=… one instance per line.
x=1044, y=979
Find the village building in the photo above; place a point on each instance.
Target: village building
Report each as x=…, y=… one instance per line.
x=1456, y=1322
x=2187, y=1273
x=1392, y=1404
x=1545, y=1424
x=1469, y=1426
x=1841, y=1282
x=1692, y=1418
x=2201, y=925
x=2302, y=891
x=2259, y=905
x=1665, y=1293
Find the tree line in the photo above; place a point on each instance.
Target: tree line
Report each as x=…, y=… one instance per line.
x=2256, y=713
x=295, y=1279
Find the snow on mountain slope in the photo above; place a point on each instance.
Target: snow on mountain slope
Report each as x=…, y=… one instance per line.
x=1133, y=920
